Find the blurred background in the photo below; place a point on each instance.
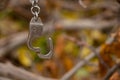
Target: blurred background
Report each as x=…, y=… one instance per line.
x=86, y=46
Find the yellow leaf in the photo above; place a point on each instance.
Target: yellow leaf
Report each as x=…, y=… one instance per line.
x=85, y=51
x=23, y=57
x=97, y=35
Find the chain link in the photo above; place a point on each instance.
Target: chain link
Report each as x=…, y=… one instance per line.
x=35, y=9
x=33, y=1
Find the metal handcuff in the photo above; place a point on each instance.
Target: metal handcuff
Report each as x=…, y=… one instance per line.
x=36, y=31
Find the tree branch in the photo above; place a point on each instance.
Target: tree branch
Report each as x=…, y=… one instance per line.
x=69, y=74
x=9, y=70
x=111, y=71
x=84, y=24
x=9, y=43
x=4, y=78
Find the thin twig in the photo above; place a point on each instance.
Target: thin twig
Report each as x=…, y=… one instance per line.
x=99, y=57
x=83, y=43
x=69, y=74
x=82, y=4
x=111, y=71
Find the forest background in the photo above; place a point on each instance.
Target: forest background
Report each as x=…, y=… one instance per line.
x=85, y=35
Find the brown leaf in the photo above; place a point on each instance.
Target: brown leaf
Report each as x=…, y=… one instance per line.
x=59, y=46
x=115, y=76
x=110, y=53
x=105, y=54
x=50, y=68
x=68, y=63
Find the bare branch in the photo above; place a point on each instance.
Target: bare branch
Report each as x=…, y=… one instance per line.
x=9, y=70
x=85, y=23
x=9, y=43
x=82, y=4
x=83, y=43
x=4, y=78
x=111, y=71
x=16, y=40
x=69, y=74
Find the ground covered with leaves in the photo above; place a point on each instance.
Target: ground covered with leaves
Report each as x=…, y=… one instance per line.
x=85, y=35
